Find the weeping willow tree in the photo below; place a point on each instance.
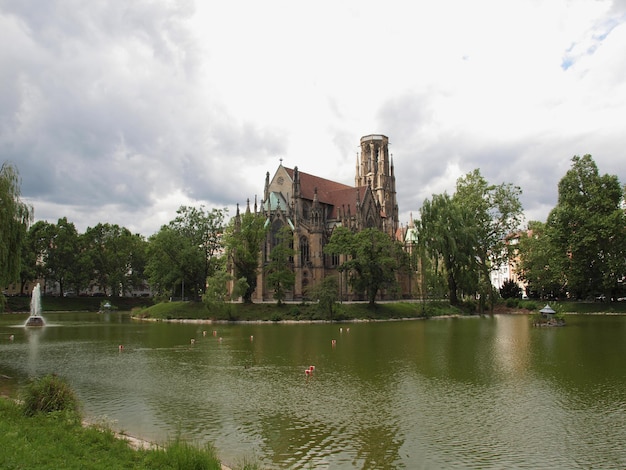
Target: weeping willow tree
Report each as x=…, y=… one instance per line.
x=15, y=216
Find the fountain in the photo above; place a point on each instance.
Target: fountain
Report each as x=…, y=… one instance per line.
x=35, y=318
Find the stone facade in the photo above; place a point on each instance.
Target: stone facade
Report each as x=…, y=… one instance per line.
x=313, y=206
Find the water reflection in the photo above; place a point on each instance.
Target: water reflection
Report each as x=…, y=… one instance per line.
x=487, y=392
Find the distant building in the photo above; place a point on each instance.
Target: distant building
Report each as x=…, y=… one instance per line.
x=313, y=206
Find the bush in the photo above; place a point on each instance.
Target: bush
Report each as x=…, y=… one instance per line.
x=510, y=290
x=49, y=394
x=182, y=455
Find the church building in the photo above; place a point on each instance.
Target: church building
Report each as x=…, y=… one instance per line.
x=313, y=206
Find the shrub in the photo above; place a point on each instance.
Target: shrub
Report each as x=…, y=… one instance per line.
x=182, y=455
x=48, y=394
x=510, y=290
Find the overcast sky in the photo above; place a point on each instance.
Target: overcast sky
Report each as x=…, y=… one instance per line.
x=121, y=111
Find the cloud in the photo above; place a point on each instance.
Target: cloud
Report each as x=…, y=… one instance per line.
x=114, y=111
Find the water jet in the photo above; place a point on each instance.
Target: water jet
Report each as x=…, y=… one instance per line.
x=35, y=318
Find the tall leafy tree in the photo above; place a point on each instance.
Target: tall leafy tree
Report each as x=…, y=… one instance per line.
x=494, y=212
x=444, y=236
x=372, y=259
x=35, y=252
x=539, y=266
x=467, y=233
x=63, y=253
x=15, y=217
x=183, y=254
x=587, y=229
x=280, y=275
x=114, y=258
x=243, y=239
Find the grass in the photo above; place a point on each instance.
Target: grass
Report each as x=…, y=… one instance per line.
x=295, y=312
x=56, y=440
x=52, y=437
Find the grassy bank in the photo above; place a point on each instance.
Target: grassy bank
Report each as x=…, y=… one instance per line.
x=36, y=436
x=295, y=312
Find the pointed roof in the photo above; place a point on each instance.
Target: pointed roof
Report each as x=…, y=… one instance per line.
x=328, y=192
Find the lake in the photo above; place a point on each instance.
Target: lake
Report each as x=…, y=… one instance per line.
x=478, y=392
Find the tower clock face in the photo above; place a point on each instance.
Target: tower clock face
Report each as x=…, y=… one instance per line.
x=280, y=180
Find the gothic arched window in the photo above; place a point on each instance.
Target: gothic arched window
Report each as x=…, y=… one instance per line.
x=305, y=256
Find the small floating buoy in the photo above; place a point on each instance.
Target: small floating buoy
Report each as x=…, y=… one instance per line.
x=214, y=333
x=333, y=342
x=11, y=337
x=193, y=341
x=204, y=333
x=251, y=337
x=121, y=347
x=307, y=372
x=312, y=368
x=348, y=330
x=220, y=339
x=340, y=330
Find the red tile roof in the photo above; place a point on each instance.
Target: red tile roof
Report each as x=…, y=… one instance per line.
x=339, y=195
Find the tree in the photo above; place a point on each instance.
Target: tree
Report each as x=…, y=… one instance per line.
x=587, y=229
x=371, y=258
x=494, y=212
x=467, y=233
x=326, y=293
x=510, y=290
x=165, y=258
x=114, y=258
x=63, y=253
x=538, y=264
x=280, y=275
x=15, y=216
x=183, y=254
x=445, y=238
x=243, y=239
x=35, y=252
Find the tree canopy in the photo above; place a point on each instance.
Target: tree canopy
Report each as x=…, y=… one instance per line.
x=182, y=255
x=587, y=229
x=371, y=257
x=243, y=239
x=15, y=217
x=465, y=234
x=280, y=275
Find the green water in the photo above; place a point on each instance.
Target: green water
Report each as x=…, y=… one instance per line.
x=489, y=392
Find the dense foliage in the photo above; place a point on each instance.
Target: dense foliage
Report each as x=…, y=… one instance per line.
x=280, y=275
x=371, y=258
x=15, y=216
x=184, y=253
x=48, y=394
x=581, y=250
x=243, y=239
x=465, y=234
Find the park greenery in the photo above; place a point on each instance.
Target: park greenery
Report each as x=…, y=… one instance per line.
x=579, y=252
x=45, y=430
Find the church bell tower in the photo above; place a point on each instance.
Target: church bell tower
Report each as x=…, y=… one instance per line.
x=375, y=169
